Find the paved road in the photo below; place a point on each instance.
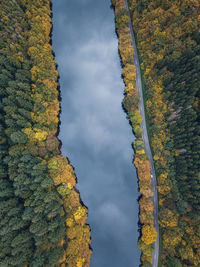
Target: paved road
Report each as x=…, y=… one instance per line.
x=146, y=141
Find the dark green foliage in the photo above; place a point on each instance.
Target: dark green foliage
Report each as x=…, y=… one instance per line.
x=142, y=4
x=18, y=138
x=139, y=145
x=55, y=255
x=31, y=225
x=178, y=74
x=11, y=208
x=130, y=101
x=172, y=261
x=147, y=264
x=183, y=89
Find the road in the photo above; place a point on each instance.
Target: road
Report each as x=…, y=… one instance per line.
x=146, y=141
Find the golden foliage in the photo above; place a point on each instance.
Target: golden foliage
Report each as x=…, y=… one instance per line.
x=125, y=45
x=140, y=152
x=168, y=218
x=143, y=169
x=61, y=171
x=80, y=215
x=45, y=94
x=35, y=134
x=171, y=240
x=149, y=234
x=140, y=158
x=146, y=218
x=146, y=205
x=129, y=73
x=119, y=5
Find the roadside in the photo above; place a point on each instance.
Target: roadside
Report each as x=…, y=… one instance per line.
x=146, y=142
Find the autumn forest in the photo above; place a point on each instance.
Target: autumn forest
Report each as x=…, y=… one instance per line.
x=42, y=217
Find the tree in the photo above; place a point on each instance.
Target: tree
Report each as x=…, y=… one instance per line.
x=18, y=138
x=149, y=234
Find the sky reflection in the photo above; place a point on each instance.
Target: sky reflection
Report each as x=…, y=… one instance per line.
x=94, y=131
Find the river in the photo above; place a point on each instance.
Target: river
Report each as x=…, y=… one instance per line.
x=95, y=134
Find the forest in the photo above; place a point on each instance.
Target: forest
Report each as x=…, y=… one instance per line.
x=168, y=41
x=42, y=219
x=148, y=234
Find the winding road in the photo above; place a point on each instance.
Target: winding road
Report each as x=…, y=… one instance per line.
x=146, y=141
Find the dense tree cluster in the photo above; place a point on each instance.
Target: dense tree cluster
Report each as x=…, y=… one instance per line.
x=42, y=220
x=130, y=104
x=168, y=40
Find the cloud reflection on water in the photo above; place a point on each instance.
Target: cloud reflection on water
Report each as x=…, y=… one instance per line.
x=94, y=131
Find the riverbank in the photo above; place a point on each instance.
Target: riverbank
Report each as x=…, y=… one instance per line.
x=145, y=137
x=133, y=104
x=45, y=89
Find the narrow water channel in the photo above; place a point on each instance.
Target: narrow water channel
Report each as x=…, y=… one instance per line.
x=95, y=133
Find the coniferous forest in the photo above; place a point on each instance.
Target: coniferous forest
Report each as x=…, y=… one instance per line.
x=168, y=41
x=42, y=218
x=42, y=222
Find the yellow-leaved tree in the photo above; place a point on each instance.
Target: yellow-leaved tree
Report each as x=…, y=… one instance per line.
x=149, y=234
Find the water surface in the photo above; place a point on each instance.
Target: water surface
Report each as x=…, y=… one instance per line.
x=95, y=133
